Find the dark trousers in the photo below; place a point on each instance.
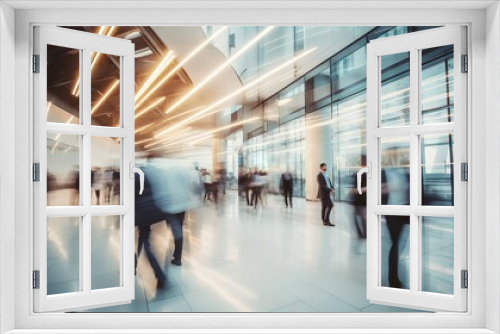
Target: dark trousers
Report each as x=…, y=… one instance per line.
x=247, y=194
x=144, y=235
x=326, y=208
x=395, y=225
x=176, y=220
x=288, y=192
x=256, y=195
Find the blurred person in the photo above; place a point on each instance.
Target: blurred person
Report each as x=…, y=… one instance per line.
x=241, y=181
x=264, y=181
x=174, y=192
x=116, y=186
x=248, y=178
x=286, y=186
x=325, y=190
x=108, y=185
x=75, y=181
x=360, y=204
x=146, y=214
x=98, y=184
x=223, y=179
x=207, y=182
x=395, y=191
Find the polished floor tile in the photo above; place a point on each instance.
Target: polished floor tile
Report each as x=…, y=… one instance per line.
x=243, y=259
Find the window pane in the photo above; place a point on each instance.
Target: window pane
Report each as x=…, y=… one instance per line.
x=105, y=175
x=437, y=254
x=395, y=171
x=292, y=102
x=63, y=255
x=437, y=170
x=105, y=89
x=106, y=250
x=395, y=90
x=437, y=85
x=349, y=71
x=395, y=252
x=63, y=89
x=63, y=170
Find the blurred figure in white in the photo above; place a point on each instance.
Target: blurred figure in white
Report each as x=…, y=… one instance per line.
x=174, y=192
x=207, y=182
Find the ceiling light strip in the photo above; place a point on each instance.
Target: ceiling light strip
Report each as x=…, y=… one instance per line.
x=167, y=60
x=179, y=65
x=105, y=96
x=220, y=68
x=203, y=113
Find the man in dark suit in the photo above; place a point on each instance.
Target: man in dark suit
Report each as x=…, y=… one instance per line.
x=325, y=189
x=286, y=185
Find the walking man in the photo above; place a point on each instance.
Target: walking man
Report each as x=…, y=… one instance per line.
x=325, y=189
x=286, y=185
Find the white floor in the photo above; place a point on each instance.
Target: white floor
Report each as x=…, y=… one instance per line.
x=241, y=259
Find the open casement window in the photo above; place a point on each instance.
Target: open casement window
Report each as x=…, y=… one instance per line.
x=416, y=155
x=83, y=171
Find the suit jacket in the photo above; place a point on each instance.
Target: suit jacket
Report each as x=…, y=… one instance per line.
x=146, y=210
x=324, y=190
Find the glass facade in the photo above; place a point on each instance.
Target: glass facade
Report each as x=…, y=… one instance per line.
x=339, y=85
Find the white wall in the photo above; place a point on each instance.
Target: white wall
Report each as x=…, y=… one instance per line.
x=492, y=162
x=7, y=158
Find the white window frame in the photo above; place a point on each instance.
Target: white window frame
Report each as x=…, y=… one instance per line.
x=414, y=44
x=85, y=43
x=483, y=246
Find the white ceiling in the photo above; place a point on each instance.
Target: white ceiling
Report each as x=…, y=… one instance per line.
x=246, y=4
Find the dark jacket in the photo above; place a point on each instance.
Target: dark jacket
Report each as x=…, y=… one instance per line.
x=286, y=181
x=146, y=211
x=324, y=190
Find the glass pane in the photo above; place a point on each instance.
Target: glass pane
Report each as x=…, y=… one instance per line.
x=395, y=90
x=395, y=171
x=105, y=175
x=292, y=102
x=106, y=250
x=437, y=170
x=318, y=88
x=63, y=79
x=437, y=254
x=105, y=88
x=63, y=255
x=349, y=72
x=272, y=113
x=395, y=252
x=63, y=170
x=437, y=85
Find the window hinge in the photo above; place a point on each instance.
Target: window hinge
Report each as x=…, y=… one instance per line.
x=464, y=168
x=36, y=63
x=465, y=279
x=36, y=279
x=36, y=172
x=465, y=64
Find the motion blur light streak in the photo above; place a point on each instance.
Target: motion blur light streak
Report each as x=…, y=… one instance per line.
x=220, y=68
x=167, y=60
x=105, y=96
x=203, y=113
x=179, y=65
x=94, y=56
x=209, y=133
x=151, y=106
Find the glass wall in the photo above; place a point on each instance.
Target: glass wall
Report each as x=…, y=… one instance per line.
x=277, y=143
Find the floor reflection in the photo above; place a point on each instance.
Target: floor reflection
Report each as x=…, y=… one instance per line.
x=241, y=259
